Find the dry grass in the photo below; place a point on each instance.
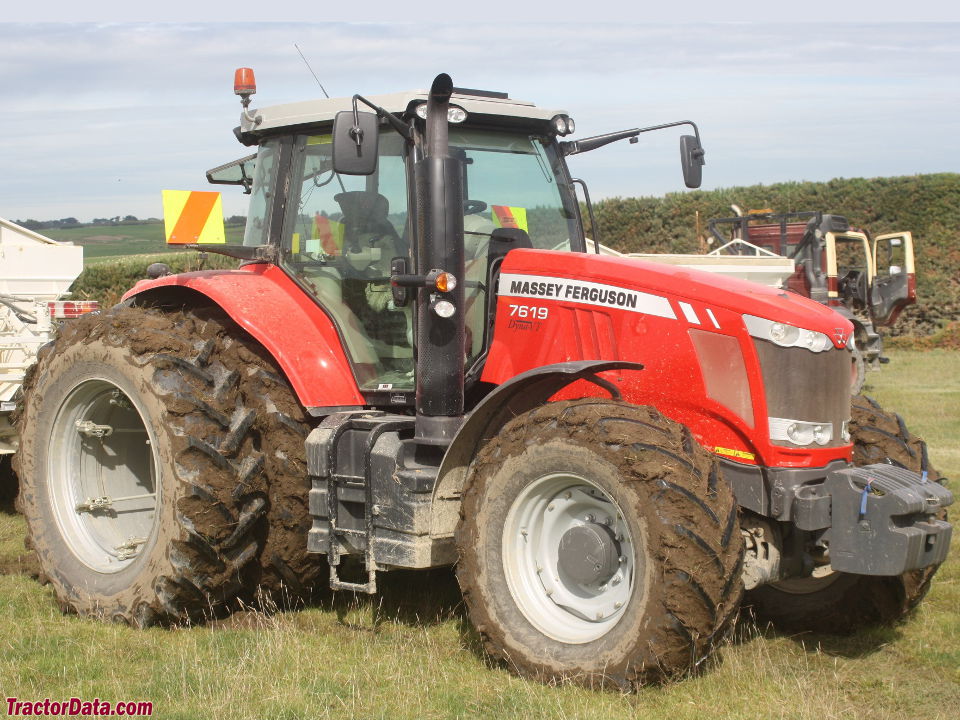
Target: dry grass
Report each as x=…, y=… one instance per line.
x=410, y=654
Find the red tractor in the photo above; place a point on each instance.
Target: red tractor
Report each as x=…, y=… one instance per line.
x=419, y=365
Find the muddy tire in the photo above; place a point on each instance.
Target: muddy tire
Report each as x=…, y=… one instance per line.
x=840, y=603
x=167, y=394
x=598, y=544
x=858, y=371
x=289, y=573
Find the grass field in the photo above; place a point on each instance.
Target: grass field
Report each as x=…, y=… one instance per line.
x=102, y=243
x=409, y=653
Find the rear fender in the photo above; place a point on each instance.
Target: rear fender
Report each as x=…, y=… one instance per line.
x=296, y=332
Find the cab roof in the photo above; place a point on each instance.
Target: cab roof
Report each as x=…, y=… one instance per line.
x=323, y=111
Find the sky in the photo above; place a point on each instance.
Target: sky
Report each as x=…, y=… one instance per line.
x=99, y=117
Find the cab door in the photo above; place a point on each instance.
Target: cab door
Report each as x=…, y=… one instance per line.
x=894, y=285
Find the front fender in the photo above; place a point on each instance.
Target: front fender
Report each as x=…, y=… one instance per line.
x=297, y=333
x=518, y=395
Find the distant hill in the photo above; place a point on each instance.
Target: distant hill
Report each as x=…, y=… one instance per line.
x=116, y=240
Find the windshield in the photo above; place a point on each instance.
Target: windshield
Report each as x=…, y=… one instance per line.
x=510, y=180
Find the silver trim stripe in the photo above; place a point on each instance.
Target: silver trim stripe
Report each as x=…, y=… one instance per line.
x=542, y=287
x=689, y=313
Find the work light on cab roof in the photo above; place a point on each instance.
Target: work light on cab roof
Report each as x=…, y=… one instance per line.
x=455, y=114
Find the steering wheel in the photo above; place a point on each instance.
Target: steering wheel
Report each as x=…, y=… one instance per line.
x=472, y=207
x=853, y=286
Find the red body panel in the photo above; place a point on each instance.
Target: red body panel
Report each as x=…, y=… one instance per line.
x=674, y=301
x=300, y=336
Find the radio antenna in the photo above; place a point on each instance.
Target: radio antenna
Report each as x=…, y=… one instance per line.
x=311, y=71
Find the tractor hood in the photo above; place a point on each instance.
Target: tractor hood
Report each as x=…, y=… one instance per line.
x=662, y=290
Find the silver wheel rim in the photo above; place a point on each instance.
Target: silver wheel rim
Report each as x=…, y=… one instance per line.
x=552, y=601
x=102, y=470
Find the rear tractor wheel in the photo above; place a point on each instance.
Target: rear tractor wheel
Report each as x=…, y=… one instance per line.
x=142, y=468
x=598, y=544
x=837, y=602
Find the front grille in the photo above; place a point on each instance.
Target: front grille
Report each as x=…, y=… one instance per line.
x=806, y=386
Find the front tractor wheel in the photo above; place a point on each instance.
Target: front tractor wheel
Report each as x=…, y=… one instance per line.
x=835, y=602
x=598, y=544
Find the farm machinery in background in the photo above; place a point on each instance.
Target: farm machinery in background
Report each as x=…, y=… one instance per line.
x=867, y=280
x=419, y=364
x=35, y=274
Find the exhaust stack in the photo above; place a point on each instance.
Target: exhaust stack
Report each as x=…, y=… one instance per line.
x=440, y=334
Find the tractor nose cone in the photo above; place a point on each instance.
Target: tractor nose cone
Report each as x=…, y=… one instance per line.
x=588, y=554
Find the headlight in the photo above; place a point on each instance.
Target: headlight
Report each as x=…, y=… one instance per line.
x=800, y=432
x=786, y=335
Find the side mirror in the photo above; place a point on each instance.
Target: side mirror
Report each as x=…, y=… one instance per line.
x=355, y=145
x=691, y=160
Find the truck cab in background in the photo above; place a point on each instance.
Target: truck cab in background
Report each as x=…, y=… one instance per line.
x=867, y=280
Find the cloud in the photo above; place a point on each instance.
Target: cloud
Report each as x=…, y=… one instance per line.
x=99, y=117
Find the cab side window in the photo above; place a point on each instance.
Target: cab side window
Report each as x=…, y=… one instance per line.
x=339, y=241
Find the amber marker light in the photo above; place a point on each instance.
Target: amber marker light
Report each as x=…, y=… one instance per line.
x=446, y=282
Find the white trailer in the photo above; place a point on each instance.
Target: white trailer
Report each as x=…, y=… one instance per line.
x=738, y=259
x=35, y=274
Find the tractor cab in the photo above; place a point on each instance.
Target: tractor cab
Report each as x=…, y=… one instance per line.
x=341, y=236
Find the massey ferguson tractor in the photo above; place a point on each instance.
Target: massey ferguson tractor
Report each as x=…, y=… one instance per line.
x=419, y=365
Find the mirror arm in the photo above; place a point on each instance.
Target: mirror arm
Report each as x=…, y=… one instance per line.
x=574, y=147
x=395, y=122
x=594, y=230
x=263, y=253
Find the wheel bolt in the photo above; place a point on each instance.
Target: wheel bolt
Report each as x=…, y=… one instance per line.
x=550, y=507
x=589, y=518
x=618, y=605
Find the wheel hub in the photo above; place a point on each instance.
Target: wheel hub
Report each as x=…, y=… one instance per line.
x=589, y=554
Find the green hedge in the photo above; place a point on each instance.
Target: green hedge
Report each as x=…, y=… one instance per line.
x=926, y=205
x=108, y=281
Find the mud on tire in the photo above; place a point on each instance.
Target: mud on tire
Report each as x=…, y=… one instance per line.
x=183, y=381
x=841, y=603
x=622, y=480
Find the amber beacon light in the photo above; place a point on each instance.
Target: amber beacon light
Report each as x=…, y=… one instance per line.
x=244, y=82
